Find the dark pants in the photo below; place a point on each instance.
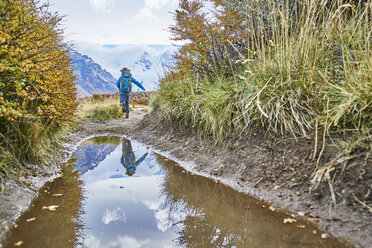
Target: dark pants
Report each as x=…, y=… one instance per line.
x=124, y=99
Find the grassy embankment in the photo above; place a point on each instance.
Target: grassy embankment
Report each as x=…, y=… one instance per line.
x=309, y=76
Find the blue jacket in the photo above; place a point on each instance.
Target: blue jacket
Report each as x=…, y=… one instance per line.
x=132, y=80
x=128, y=159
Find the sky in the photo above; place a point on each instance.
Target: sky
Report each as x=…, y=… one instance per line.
x=116, y=22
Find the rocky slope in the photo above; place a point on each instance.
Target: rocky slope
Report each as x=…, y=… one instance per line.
x=91, y=77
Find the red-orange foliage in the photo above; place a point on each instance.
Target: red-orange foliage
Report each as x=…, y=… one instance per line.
x=213, y=36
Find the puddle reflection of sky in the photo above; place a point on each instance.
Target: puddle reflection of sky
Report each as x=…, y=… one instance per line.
x=160, y=206
x=121, y=210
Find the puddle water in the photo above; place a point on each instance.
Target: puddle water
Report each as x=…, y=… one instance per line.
x=118, y=193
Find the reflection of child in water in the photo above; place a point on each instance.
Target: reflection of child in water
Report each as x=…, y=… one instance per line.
x=128, y=158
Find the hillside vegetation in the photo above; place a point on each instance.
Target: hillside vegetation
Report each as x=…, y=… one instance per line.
x=37, y=89
x=284, y=67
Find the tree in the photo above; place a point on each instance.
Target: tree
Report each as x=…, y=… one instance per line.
x=36, y=78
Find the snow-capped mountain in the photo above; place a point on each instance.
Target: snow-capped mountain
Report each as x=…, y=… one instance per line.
x=144, y=62
x=148, y=63
x=91, y=78
x=151, y=67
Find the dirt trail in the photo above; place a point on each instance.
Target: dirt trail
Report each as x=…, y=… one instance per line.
x=249, y=165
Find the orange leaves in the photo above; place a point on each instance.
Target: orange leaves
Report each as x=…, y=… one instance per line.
x=211, y=35
x=36, y=76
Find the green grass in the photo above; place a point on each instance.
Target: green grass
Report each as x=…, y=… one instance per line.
x=109, y=112
x=27, y=141
x=210, y=105
x=99, y=109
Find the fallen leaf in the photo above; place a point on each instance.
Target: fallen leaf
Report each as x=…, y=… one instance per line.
x=272, y=208
x=289, y=220
x=313, y=218
x=19, y=243
x=301, y=226
x=57, y=195
x=51, y=208
x=147, y=147
x=246, y=207
x=31, y=219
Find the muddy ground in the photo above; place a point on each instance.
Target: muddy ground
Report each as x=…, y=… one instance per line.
x=276, y=172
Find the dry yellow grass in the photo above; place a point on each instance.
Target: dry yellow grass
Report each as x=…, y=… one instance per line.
x=88, y=106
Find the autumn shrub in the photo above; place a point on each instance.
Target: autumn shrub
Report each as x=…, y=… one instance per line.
x=97, y=97
x=37, y=85
x=140, y=101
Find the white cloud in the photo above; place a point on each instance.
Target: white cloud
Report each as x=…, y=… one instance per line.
x=157, y=4
x=103, y=5
x=92, y=241
x=113, y=215
x=126, y=241
x=146, y=13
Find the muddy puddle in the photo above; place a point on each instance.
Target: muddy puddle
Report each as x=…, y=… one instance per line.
x=119, y=193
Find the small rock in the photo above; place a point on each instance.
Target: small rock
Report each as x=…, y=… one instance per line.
x=324, y=235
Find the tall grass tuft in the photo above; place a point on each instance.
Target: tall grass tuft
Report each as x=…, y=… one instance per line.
x=25, y=141
x=313, y=63
x=99, y=108
x=209, y=105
